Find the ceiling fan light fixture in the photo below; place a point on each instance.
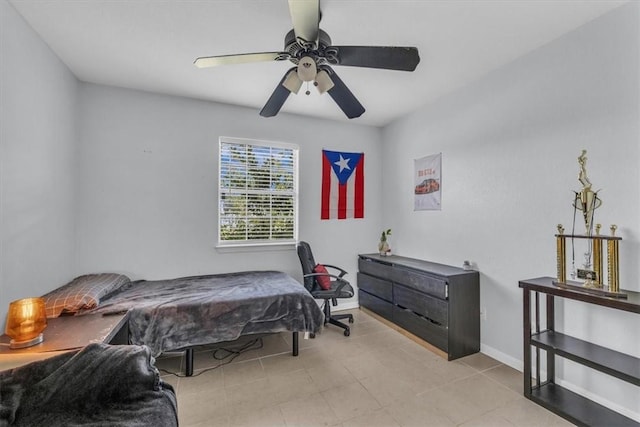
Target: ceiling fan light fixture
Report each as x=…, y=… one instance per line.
x=292, y=82
x=311, y=51
x=323, y=82
x=307, y=69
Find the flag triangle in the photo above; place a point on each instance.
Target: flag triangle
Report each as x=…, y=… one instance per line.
x=343, y=164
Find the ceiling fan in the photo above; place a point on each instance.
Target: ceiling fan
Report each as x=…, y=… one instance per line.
x=310, y=49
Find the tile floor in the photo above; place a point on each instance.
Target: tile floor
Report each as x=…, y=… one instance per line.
x=375, y=377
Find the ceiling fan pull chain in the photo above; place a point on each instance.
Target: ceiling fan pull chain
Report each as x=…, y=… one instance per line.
x=308, y=92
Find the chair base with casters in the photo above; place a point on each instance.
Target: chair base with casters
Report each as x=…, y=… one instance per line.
x=335, y=286
x=334, y=319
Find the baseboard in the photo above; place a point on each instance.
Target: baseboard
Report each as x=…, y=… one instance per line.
x=502, y=357
x=345, y=306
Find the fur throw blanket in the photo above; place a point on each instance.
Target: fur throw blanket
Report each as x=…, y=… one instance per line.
x=99, y=385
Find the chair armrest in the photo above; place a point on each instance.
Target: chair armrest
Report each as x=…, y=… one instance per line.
x=322, y=274
x=339, y=279
x=342, y=272
x=341, y=284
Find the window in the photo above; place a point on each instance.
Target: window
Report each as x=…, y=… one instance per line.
x=258, y=192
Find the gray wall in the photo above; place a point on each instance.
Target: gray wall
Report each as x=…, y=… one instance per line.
x=103, y=179
x=38, y=168
x=510, y=143
x=148, y=197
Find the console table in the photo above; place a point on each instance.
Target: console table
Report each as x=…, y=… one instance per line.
x=574, y=407
x=437, y=303
x=67, y=333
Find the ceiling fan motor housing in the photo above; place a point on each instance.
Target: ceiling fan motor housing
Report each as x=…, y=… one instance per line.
x=298, y=51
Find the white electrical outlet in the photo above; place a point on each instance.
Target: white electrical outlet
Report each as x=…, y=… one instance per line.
x=483, y=313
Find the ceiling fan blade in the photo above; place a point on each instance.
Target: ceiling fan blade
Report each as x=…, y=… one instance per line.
x=214, y=61
x=386, y=57
x=343, y=96
x=278, y=97
x=305, y=16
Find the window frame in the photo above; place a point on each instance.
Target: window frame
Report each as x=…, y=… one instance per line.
x=294, y=193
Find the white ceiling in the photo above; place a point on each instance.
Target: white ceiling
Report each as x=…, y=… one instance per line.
x=151, y=44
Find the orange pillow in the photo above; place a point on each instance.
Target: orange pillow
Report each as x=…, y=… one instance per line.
x=323, y=281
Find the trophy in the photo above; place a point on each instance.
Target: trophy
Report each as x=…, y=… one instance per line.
x=587, y=201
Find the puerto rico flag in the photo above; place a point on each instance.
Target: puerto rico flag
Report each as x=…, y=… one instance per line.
x=342, y=185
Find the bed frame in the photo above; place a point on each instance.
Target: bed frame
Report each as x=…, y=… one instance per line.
x=188, y=354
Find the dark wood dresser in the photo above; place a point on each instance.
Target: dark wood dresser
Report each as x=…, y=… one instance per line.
x=437, y=303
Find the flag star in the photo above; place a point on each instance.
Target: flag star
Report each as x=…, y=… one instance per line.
x=343, y=163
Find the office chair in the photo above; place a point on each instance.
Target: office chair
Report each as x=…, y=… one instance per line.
x=316, y=277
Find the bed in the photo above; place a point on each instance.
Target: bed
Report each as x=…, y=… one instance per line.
x=179, y=314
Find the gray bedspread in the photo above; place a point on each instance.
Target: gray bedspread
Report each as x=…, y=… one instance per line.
x=169, y=315
x=100, y=385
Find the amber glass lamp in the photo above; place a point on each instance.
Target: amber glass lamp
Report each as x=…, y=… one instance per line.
x=26, y=320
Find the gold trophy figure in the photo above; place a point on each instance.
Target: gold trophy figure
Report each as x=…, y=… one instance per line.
x=587, y=201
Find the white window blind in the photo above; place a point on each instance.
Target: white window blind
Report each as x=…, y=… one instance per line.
x=257, y=195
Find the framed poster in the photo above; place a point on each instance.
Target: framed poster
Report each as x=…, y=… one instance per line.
x=427, y=181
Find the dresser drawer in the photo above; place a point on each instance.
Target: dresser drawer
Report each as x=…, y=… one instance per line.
x=435, y=302
x=378, y=287
x=374, y=268
x=426, y=283
x=375, y=304
x=421, y=327
x=422, y=304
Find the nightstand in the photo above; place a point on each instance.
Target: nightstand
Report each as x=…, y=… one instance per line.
x=68, y=333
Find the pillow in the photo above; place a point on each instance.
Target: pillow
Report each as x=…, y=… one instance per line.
x=323, y=281
x=83, y=292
